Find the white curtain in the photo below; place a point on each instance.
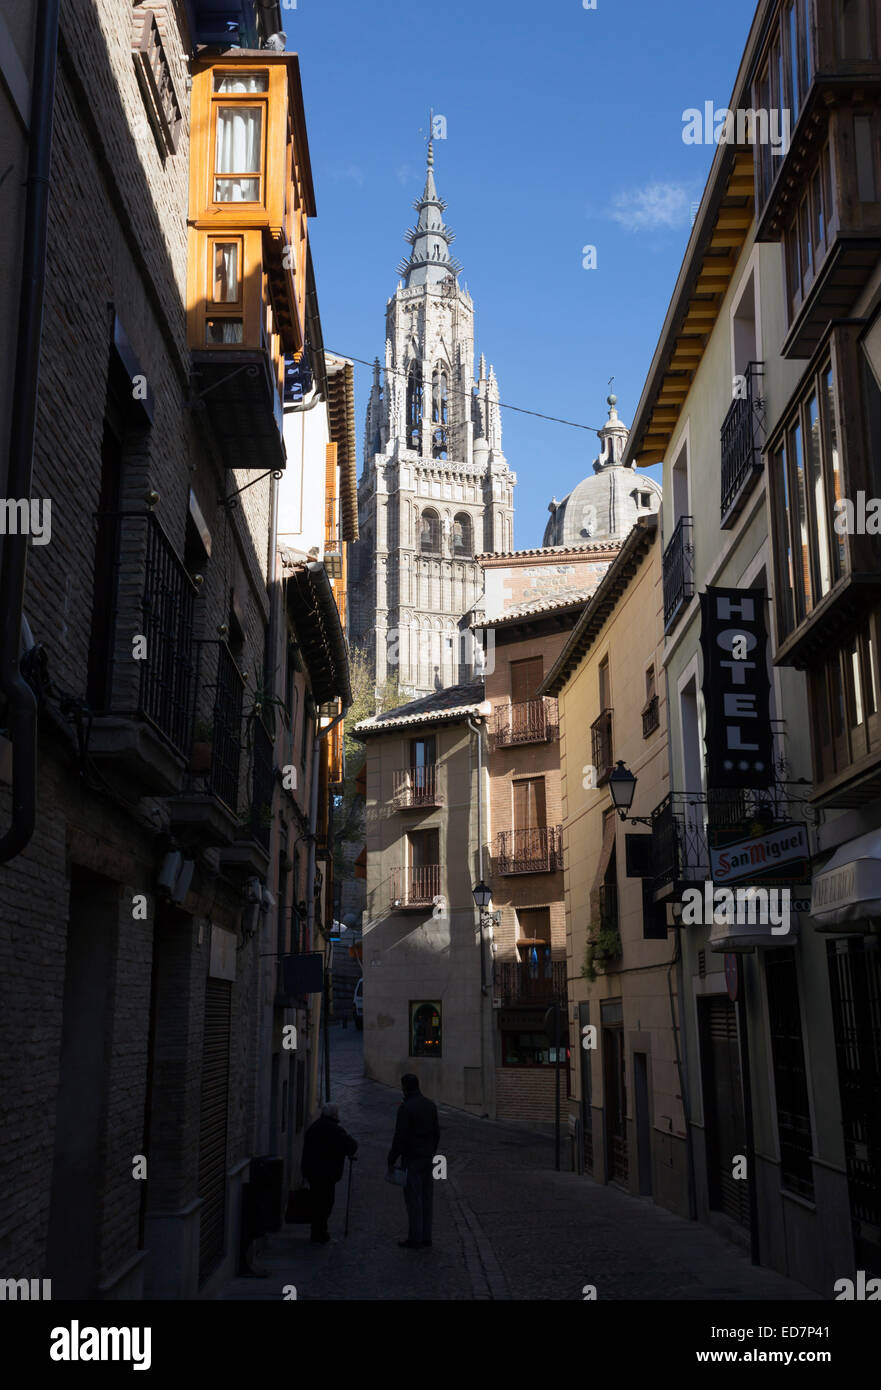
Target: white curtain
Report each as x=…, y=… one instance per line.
x=226, y=275
x=239, y=150
x=243, y=82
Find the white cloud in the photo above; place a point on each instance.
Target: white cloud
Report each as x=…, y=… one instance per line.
x=656, y=205
x=352, y=173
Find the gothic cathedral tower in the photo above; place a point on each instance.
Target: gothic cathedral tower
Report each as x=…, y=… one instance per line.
x=435, y=489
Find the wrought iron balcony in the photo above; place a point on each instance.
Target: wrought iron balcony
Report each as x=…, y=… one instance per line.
x=651, y=716
x=679, y=842
x=527, y=721
x=519, y=982
x=207, y=812
x=678, y=569
x=226, y=728
x=601, y=745
x=415, y=787
x=741, y=456
x=534, y=851
x=143, y=709
x=415, y=887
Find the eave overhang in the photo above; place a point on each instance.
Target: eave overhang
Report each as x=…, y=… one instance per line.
x=314, y=614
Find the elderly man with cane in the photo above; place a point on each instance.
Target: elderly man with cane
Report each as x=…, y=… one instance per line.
x=325, y=1149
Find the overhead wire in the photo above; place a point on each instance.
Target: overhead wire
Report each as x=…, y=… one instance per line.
x=455, y=391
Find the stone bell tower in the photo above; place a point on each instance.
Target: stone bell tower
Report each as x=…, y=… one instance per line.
x=435, y=489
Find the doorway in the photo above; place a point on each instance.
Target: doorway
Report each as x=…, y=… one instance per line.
x=723, y=1107
x=643, y=1122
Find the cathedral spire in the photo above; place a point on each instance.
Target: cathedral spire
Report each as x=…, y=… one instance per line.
x=429, y=261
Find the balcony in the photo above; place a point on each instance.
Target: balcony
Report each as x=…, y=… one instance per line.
x=601, y=746
x=250, y=851
x=819, y=194
x=416, y=788
x=527, y=721
x=680, y=848
x=517, y=983
x=534, y=851
x=415, y=888
x=651, y=716
x=142, y=708
x=741, y=456
x=207, y=812
x=250, y=196
x=678, y=566
x=816, y=54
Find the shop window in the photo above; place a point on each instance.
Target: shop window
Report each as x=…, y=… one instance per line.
x=425, y=1029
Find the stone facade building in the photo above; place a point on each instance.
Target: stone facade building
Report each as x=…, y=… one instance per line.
x=436, y=489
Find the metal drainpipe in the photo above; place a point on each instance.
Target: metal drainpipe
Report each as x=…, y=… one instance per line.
x=22, y=704
x=484, y=988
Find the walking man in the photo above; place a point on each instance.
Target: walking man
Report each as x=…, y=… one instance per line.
x=417, y=1135
x=325, y=1150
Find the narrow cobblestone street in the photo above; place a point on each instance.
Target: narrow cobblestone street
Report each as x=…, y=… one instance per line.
x=506, y=1225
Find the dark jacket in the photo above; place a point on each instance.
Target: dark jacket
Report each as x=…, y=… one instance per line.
x=325, y=1149
x=417, y=1133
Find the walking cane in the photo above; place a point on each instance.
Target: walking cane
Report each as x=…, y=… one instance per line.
x=348, y=1196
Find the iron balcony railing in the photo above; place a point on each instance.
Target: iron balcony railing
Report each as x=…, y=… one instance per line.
x=533, y=851
x=154, y=597
x=678, y=569
x=651, y=716
x=527, y=721
x=415, y=887
x=521, y=982
x=413, y=787
x=741, y=456
x=262, y=784
x=680, y=849
x=601, y=745
x=227, y=688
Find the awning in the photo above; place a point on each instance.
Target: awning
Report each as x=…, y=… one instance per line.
x=847, y=891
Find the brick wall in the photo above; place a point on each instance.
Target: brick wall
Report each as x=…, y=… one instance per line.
x=117, y=243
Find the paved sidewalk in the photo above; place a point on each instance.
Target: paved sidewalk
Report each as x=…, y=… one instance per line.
x=507, y=1226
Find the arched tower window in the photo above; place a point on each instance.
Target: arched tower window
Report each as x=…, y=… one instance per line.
x=463, y=534
x=430, y=532
x=439, y=413
x=414, y=406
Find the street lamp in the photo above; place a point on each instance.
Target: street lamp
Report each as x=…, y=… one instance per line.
x=482, y=894
x=622, y=785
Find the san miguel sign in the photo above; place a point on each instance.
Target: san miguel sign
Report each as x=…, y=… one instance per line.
x=737, y=688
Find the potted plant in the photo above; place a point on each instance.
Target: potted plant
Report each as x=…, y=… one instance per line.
x=603, y=945
x=203, y=740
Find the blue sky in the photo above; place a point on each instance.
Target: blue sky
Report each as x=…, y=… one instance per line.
x=564, y=129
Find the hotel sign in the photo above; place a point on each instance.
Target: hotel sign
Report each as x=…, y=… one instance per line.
x=736, y=688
